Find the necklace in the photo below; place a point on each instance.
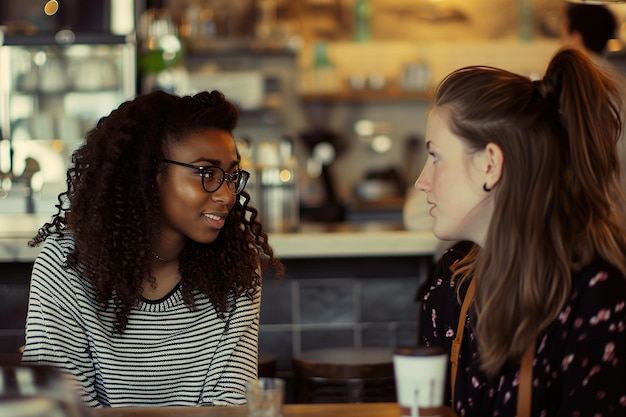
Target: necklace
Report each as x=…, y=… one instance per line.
x=158, y=258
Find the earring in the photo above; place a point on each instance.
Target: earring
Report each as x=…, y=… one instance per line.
x=485, y=188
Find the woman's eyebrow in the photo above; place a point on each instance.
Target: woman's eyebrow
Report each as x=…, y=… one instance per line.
x=216, y=162
x=208, y=160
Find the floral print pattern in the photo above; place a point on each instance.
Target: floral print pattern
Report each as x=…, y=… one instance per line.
x=580, y=361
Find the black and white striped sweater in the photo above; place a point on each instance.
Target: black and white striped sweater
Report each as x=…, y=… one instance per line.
x=168, y=355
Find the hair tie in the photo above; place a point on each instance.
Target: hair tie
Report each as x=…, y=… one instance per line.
x=546, y=91
x=540, y=87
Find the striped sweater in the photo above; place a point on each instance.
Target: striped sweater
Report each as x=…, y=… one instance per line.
x=169, y=355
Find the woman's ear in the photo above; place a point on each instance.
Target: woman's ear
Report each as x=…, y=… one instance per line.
x=494, y=159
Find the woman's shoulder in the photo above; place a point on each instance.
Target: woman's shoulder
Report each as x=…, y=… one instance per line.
x=440, y=285
x=597, y=271
x=452, y=255
x=61, y=242
x=52, y=269
x=600, y=285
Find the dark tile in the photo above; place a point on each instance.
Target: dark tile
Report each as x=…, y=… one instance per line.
x=13, y=305
x=276, y=302
x=406, y=334
x=356, y=267
x=389, y=299
x=376, y=335
x=278, y=343
x=11, y=342
x=327, y=301
x=322, y=339
x=16, y=272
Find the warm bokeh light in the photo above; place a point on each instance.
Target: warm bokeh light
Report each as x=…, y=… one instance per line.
x=285, y=175
x=381, y=143
x=51, y=7
x=614, y=45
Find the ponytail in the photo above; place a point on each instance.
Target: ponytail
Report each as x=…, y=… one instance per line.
x=589, y=103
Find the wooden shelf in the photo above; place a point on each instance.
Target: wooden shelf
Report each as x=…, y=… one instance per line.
x=390, y=93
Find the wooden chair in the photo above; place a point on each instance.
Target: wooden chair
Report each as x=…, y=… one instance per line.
x=12, y=359
x=344, y=375
x=267, y=365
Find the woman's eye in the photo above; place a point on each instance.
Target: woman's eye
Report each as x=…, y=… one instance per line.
x=207, y=173
x=434, y=156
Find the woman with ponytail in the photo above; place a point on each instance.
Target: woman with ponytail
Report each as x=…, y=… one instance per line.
x=528, y=171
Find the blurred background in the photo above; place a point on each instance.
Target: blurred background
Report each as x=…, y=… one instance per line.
x=333, y=93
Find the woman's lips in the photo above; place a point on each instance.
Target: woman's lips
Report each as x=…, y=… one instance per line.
x=215, y=220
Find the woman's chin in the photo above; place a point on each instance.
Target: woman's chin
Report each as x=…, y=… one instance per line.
x=443, y=234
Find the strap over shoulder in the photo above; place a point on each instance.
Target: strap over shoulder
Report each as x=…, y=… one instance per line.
x=524, y=395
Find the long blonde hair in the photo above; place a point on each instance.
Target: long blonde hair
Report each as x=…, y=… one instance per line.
x=558, y=204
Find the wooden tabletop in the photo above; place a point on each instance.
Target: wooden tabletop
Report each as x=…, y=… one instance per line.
x=289, y=410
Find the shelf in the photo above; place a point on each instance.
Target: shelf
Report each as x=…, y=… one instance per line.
x=346, y=95
x=65, y=90
x=203, y=48
x=63, y=38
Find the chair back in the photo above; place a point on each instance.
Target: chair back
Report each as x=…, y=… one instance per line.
x=344, y=375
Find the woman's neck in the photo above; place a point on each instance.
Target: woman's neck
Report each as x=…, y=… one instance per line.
x=166, y=276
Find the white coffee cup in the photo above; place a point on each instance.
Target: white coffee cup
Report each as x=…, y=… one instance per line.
x=420, y=375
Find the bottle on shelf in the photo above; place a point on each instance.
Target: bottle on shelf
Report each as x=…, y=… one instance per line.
x=526, y=25
x=324, y=71
x=362, y=16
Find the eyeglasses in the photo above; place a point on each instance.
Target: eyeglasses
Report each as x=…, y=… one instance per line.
x=213, y=177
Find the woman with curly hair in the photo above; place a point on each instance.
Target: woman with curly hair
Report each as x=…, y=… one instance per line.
x=528, y=171
x=147, y=288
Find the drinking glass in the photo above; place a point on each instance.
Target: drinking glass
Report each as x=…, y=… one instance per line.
x=265, y=397
x=38, y=391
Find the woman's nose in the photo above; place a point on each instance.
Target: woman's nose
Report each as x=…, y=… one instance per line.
x=223, y=194
x=423, y=181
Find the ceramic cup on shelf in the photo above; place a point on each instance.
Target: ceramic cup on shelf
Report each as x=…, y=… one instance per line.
x=52, y=75
x=94, y=73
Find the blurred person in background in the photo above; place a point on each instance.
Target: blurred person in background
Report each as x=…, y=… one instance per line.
x=590, y=27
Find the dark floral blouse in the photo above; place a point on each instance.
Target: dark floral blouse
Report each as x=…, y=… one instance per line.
x=580, y=360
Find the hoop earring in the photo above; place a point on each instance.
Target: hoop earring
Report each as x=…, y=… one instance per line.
x=485, y=188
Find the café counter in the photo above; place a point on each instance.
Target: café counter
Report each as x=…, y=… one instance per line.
x=289, y=410
x=312, y=240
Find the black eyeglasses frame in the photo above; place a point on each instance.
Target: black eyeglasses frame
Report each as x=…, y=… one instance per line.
x=226, y=177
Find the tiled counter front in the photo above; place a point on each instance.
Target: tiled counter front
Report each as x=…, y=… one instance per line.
x=322, y=302
x=341, y=302
x=346, y=285
x=14, y=280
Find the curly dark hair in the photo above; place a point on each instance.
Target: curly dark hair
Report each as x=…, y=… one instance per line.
x=112, y=208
